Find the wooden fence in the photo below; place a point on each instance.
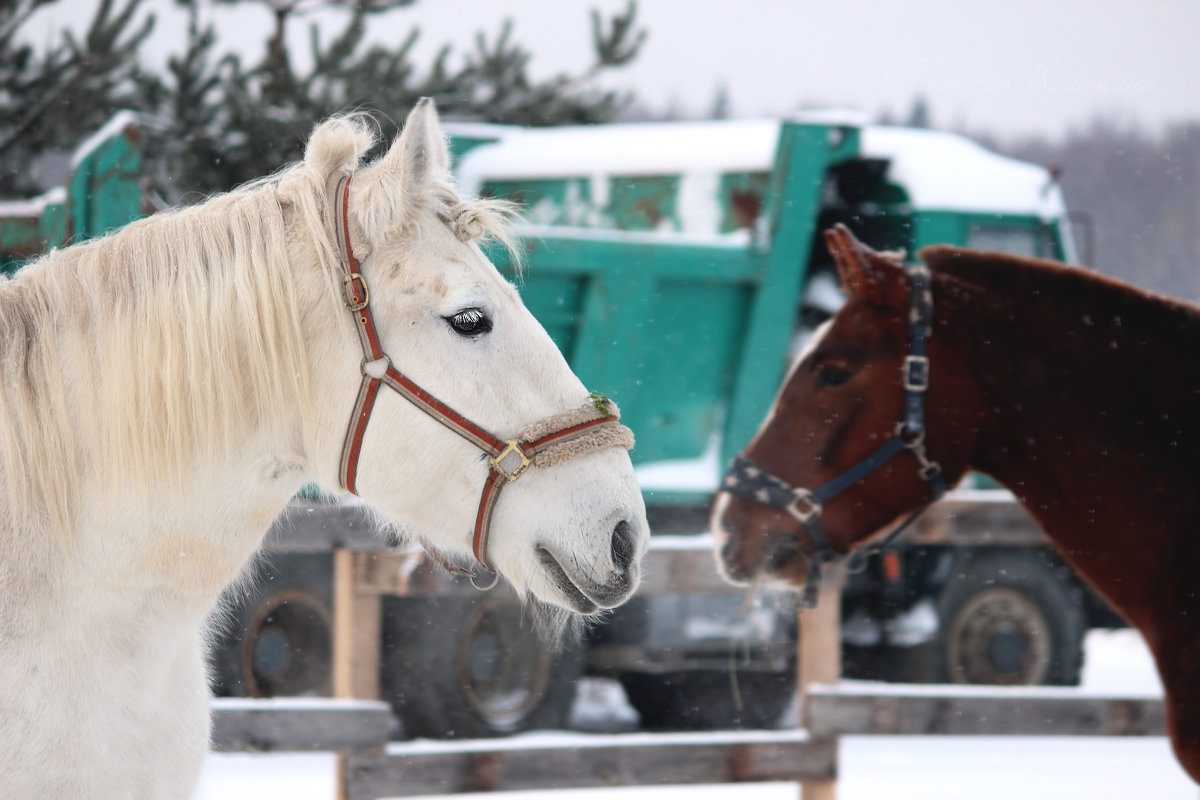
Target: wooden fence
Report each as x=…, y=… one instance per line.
x=371, y=767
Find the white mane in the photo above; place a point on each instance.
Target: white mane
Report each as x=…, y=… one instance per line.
x=179, y=333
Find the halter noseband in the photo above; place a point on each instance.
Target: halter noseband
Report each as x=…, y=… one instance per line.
x=544, y=443
x=750, y=481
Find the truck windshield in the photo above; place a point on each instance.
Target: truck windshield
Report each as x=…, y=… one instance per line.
x=1019, y=240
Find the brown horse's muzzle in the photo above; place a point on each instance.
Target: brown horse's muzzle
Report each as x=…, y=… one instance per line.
x=756, y=542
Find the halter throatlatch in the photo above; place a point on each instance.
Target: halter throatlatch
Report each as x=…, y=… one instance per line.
x=750, y=481
x=544, y=443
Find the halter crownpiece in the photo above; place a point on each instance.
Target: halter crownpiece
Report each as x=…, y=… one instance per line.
x=750, y=481
x=544, y=443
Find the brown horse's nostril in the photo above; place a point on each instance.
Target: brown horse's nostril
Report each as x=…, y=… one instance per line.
x=728, y=552
x=622, y=546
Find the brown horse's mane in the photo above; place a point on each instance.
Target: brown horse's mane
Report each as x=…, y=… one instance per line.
x=1122, y=352
x=1067, y=287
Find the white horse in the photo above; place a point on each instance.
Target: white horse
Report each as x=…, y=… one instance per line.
x=165, y=390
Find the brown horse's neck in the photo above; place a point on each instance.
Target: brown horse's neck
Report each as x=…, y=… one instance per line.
x=1091, y=416
x=1088, y=409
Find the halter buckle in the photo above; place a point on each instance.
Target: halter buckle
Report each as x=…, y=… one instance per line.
x=916, y=374
x=513, y=449
x=800, y=499
x=353, y=300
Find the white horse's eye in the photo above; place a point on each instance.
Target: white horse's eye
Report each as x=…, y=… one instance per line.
x=470, y=322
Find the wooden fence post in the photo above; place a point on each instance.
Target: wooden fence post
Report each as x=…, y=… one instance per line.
x=357, y=610
x=819, y=660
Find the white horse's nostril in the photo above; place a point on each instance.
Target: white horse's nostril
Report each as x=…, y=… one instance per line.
x=623, y=547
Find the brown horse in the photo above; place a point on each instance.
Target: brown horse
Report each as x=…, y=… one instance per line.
x=1079, y=393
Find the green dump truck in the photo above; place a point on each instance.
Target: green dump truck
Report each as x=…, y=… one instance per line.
x=679, y=268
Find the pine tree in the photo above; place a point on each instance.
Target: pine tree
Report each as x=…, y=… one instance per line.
x=219, y=121
x=57, y=97
x=266, y=110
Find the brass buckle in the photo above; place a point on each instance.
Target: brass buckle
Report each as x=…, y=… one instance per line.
x=352, y=300
x=512, y=449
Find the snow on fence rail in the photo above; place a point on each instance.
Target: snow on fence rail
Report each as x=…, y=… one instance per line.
x=370, y=767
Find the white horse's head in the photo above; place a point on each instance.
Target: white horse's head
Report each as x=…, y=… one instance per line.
x=571, y=534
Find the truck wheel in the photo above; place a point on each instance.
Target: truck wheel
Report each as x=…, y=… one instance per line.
x=709, y=699
x=469, y=668
x=279, y=644
x=1010, y=619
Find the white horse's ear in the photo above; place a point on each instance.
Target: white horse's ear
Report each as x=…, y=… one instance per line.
x=393, y=189
x=421, y=145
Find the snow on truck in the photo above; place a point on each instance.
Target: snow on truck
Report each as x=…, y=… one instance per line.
x=678, y=267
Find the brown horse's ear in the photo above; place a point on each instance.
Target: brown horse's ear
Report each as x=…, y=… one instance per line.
x=875, y=277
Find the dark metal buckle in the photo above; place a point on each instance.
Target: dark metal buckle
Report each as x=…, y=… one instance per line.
x=916, y=373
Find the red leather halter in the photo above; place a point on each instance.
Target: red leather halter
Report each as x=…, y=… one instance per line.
x=507, y=458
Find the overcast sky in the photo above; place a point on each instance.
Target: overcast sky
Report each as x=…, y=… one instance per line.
x=1017, y=66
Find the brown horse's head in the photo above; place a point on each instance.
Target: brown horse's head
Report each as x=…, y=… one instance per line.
x=843, y=400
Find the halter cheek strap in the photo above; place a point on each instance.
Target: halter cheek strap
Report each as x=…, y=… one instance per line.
x=544, y=443
x=748, y=480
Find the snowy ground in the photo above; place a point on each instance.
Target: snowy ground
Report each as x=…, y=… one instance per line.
x=872, y=768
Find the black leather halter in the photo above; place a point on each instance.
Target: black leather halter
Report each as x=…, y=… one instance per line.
x=748, y=480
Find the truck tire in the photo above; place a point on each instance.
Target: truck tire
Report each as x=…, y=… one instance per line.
x=709, y=699
x=1010, y=619
x=471, y=668
x=278, y=642
x=274, y=635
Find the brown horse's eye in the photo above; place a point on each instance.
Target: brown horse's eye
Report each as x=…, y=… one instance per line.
x=831, y=376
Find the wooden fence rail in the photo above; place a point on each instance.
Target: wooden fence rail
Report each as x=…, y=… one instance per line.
x=299, y=725
x=370, y=767
x=958, y=711
x=558, y=760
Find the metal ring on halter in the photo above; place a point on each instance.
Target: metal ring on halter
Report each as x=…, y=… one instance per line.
x=387, y=363
x=928, y=468
x=903, y=431
x=474, y=577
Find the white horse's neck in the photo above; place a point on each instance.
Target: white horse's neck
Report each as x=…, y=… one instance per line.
x=169, y=413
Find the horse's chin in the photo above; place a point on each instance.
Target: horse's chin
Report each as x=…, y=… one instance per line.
x=780, y=564
x=789, y=579
x=580, y=593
